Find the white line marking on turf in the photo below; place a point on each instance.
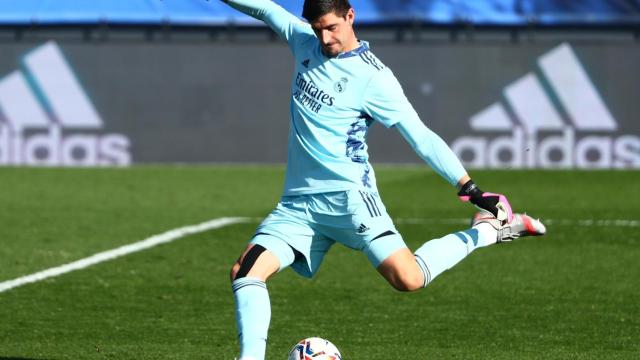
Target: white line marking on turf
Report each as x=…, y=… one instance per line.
x=147, y=243
x=563, y=222
x=467, y=221
x=591, y=222
x=175, y=234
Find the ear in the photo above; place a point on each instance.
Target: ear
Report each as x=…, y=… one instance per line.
x=351, y=15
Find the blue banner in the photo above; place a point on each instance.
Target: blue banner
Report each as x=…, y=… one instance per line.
x=215, y=12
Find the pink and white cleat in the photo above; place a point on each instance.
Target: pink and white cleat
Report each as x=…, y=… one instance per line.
x=521, y=225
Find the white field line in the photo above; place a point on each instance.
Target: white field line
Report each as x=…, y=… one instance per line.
x=178, y=233
x=561, y=222
x=147, y=243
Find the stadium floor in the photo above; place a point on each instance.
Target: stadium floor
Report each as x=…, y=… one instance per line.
x=572, y=294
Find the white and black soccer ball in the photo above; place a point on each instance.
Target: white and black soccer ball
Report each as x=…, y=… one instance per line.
x=314, y=348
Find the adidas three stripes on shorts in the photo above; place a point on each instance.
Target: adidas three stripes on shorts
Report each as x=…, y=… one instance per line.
x=302, y=228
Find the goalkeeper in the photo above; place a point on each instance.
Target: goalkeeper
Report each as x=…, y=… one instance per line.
x=339, y=89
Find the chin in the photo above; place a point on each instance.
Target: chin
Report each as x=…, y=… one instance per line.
x=331, y=53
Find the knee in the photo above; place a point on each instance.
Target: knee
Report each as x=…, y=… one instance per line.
x=402, y=271
x=234, y=271
x=255, y=262
x=408, y=281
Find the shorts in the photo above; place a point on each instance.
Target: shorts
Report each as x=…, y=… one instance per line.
x=302, y=228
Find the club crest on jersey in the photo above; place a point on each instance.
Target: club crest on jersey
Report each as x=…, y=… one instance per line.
x=341, y=85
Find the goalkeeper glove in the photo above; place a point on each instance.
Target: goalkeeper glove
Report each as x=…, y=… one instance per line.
x=497, y=204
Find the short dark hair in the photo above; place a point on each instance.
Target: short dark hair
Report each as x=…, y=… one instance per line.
x=314, y=9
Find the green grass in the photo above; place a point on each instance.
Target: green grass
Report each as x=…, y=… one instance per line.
x=570, y=295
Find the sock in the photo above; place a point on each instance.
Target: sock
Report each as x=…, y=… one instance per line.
x=253, y=313
x=488, y=234
x=436, y=256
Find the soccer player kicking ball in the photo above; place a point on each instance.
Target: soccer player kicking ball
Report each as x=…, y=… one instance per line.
x=339, y=88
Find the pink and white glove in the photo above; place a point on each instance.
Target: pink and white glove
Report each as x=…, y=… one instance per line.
x=497, y=204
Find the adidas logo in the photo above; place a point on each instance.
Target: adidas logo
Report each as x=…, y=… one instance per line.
x=363, y=228
x=306, y=63
x=544, y=113
x=47, y=119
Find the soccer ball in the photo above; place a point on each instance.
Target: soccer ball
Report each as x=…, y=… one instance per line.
x=314, y=348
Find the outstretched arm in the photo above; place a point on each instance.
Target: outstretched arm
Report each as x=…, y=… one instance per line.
x=434, y=151
x=384, y=100
x=280, y=20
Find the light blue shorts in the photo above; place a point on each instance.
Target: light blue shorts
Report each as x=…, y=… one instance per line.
x=303, y=228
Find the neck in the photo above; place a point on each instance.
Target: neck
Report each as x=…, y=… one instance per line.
x=352, y=45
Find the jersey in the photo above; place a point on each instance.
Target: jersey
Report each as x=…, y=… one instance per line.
x=334, y=101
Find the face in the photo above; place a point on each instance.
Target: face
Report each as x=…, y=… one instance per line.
x=335, y=33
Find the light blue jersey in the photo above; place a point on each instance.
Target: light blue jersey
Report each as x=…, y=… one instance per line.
x=334, y=101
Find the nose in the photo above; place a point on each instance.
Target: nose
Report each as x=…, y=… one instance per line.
x=325, y=37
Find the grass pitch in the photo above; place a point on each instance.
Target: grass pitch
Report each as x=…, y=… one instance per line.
x=570, y=295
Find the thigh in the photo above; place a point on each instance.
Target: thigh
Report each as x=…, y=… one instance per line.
x=288, y=234
x=362, y=223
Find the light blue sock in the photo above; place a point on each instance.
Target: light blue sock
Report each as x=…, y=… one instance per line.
x=438, y=255
x=253, y=313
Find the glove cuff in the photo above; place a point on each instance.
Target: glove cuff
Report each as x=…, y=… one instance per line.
x=469, y=189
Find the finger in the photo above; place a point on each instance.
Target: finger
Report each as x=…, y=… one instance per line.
x=505, y=207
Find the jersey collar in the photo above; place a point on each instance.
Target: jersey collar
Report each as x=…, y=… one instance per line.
x=364, y=46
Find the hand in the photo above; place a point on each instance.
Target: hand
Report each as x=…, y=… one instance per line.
x=497, y=204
